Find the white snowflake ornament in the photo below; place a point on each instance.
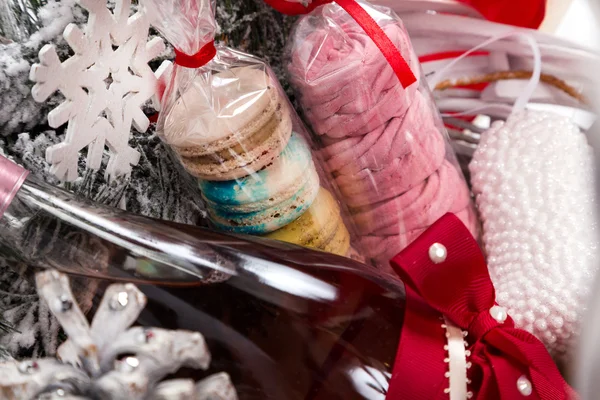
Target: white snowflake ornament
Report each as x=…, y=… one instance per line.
x=533, y=178
x=105, y=83
x=108, y=360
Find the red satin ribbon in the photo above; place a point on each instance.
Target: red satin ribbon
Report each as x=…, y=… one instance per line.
x=371, y=28
x=291, y=8
x=523, y=13
x=204, y=55
x=446, y=55
x=460, y=289
x=530, y=13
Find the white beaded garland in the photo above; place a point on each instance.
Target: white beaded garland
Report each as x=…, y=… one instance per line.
x=533, y=178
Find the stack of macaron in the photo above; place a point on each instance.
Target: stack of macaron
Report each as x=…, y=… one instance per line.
x=233, y=131
x=383, y=143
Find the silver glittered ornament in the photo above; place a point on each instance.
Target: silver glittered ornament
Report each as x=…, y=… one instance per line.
x=108, y=359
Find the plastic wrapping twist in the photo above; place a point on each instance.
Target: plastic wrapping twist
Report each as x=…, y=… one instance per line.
x=503, y=362
x=401, y=68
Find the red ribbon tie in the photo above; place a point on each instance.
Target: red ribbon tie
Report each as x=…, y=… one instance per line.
x=203, y=56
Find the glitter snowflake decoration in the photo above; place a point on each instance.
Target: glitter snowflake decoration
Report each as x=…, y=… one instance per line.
x=105, y=84
x=108, y=361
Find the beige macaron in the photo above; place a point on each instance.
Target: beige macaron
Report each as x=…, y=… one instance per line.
x=229, y=125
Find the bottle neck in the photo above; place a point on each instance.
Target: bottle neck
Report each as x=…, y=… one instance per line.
x=12, y=177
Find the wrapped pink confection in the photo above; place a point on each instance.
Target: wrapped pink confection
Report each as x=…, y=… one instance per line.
x=384, y=143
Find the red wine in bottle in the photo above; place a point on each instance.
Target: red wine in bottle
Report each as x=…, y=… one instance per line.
x=330, y=334
x=286, y=323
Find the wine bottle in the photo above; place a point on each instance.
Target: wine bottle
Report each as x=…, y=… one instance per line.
x=283, y=321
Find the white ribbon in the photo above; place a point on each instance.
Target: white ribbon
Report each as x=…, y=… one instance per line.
x=457, y=362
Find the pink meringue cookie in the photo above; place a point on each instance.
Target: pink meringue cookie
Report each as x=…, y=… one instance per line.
x=381, y=249
x=390, y=160
x=398, y=137
x=341, y=52
x=370, y=186
x=418, y=208
x=350, y=93
x=343, y=59
x=349, y=99
x=341, y=74
x=340, y=125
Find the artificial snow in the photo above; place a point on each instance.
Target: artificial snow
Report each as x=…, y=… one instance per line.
x=18, y=110
x=54, y=17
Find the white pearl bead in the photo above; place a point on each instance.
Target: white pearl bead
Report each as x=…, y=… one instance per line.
x=438, y=253
x=499, y=314
x=524, y=386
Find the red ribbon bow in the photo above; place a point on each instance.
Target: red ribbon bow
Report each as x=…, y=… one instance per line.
x=460, y=289
x=374, y=31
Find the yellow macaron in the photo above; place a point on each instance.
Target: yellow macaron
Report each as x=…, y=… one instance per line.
x=321, y=227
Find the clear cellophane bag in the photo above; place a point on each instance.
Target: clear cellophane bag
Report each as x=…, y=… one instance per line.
x=385, y=144
x=233, y=129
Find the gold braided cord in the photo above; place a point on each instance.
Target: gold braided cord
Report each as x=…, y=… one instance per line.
x=506, y=75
